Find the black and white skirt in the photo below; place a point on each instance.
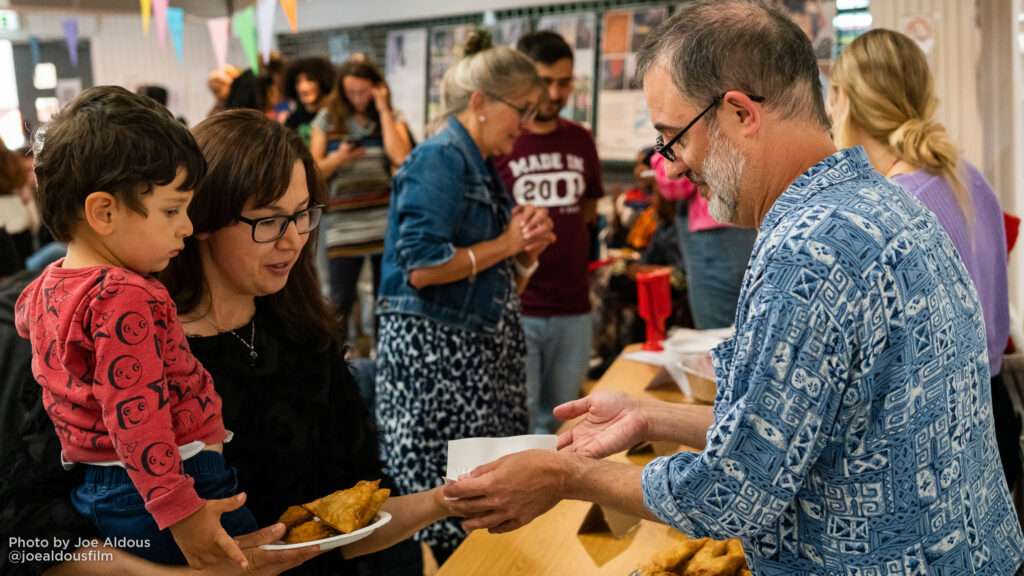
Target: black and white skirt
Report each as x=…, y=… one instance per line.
x=437, y=383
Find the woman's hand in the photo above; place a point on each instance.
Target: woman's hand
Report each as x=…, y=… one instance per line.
x=381, y=97
x=538, y=229
x=347, y=153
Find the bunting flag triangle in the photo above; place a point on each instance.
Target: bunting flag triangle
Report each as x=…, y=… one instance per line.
x=71, y=37
x=33, y=44
x=242, y=26
x=289, y=7
x=160, y=16
x=220, y=29
x=176, y=26
x=265, y=10
x=146, y=8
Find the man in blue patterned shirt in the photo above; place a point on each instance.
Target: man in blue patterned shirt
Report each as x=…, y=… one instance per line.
x=852, y=432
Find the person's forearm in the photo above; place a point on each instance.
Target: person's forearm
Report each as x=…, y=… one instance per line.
x=487, y=254
x=606, y=483
x=409, y=514
x=111, y=561
x=327, y=164
x=683, y=423
x=396, y=141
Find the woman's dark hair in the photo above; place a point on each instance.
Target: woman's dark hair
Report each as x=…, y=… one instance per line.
x=339, y=109
x=317, y=69
x=251, y=158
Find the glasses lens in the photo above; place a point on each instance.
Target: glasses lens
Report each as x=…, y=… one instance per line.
x=313, y=218
x=269, y=230
x=307, y=220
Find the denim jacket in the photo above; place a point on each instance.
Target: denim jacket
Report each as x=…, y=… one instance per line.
x=445, y=195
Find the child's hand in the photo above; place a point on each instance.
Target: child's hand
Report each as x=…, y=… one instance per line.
x=202, y=539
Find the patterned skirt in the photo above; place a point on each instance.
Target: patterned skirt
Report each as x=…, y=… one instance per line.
x=437, y=383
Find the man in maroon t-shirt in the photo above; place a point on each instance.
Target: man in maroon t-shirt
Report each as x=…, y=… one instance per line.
x=556, y=166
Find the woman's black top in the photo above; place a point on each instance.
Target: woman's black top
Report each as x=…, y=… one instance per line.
x=301, y=432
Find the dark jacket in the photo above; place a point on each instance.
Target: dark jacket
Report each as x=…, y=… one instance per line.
x=34, y=488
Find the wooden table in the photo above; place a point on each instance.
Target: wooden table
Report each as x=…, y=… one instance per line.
x=551, y=545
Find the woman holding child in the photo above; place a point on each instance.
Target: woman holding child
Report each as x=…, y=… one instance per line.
x=251, y=309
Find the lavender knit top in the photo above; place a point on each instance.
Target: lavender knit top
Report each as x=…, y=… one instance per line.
x=982, y=246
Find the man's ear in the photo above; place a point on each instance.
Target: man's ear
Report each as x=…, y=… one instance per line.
x=100, y=209
x=745, y=112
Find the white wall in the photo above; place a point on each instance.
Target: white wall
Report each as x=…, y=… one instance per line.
x=122, y=55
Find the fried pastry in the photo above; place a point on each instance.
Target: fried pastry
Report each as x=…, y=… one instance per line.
x=294, y=516
x=344, y=510
x=675, y=557
x=702, y=557
x=717, y=558
x=308, y=531
x=376, y=501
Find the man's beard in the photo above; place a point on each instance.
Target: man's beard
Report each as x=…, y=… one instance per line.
x=543, y=116
x=722, y=174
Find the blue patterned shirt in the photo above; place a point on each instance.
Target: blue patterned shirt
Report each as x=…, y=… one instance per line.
x=853, y=425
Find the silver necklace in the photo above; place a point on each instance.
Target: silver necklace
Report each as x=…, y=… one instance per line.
x=250, y=345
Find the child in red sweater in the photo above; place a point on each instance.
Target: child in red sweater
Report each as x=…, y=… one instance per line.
x=115, y=174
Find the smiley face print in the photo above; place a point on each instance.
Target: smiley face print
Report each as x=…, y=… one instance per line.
x=158, y=458
x=131, y=328
x=132, y=412
x=124, y=372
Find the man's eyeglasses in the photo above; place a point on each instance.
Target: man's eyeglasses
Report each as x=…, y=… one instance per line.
x=665, y=149
x=525, y=114
x=271, y=228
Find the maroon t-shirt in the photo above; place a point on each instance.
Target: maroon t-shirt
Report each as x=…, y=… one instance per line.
x=557, y=171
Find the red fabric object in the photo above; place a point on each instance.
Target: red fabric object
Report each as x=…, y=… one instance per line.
x=655, y=304
x=1012, y=225
x=118, y=379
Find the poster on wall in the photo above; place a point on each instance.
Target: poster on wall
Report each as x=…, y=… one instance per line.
x=623, y=122
x=508, y=32
x=578, y=31
x=406, y=74
x=443, y=43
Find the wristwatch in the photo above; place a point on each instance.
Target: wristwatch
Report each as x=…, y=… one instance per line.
x=526, y=271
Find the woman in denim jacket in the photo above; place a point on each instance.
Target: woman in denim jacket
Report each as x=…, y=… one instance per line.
x=450, y=357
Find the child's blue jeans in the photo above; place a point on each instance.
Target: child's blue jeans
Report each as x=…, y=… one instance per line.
x=110, y=500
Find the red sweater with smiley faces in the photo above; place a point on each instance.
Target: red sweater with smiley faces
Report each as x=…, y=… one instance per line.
x=119, y=380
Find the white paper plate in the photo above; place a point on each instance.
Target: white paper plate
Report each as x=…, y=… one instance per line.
x=381, y=519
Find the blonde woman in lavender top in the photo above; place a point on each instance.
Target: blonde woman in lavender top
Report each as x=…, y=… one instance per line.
x=882, y=98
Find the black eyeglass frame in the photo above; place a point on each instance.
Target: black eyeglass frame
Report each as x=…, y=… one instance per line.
x=293, y=219
x=665, y=149
x=525, y=114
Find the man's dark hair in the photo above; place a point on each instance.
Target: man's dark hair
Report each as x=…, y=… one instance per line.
x=714, y=46
x=317, y=69
x=110, y=140
x=544, y=46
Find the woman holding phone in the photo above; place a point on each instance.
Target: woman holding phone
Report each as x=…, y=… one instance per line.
x=357, y=142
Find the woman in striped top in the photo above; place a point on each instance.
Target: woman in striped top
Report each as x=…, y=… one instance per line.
x=357, y=142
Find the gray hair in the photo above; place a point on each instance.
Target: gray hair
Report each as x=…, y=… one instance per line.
x=500, y=71
x=711, y=47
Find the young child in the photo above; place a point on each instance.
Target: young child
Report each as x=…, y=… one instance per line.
x=115, y=174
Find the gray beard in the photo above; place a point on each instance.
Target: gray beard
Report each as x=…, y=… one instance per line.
x=723, y=172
